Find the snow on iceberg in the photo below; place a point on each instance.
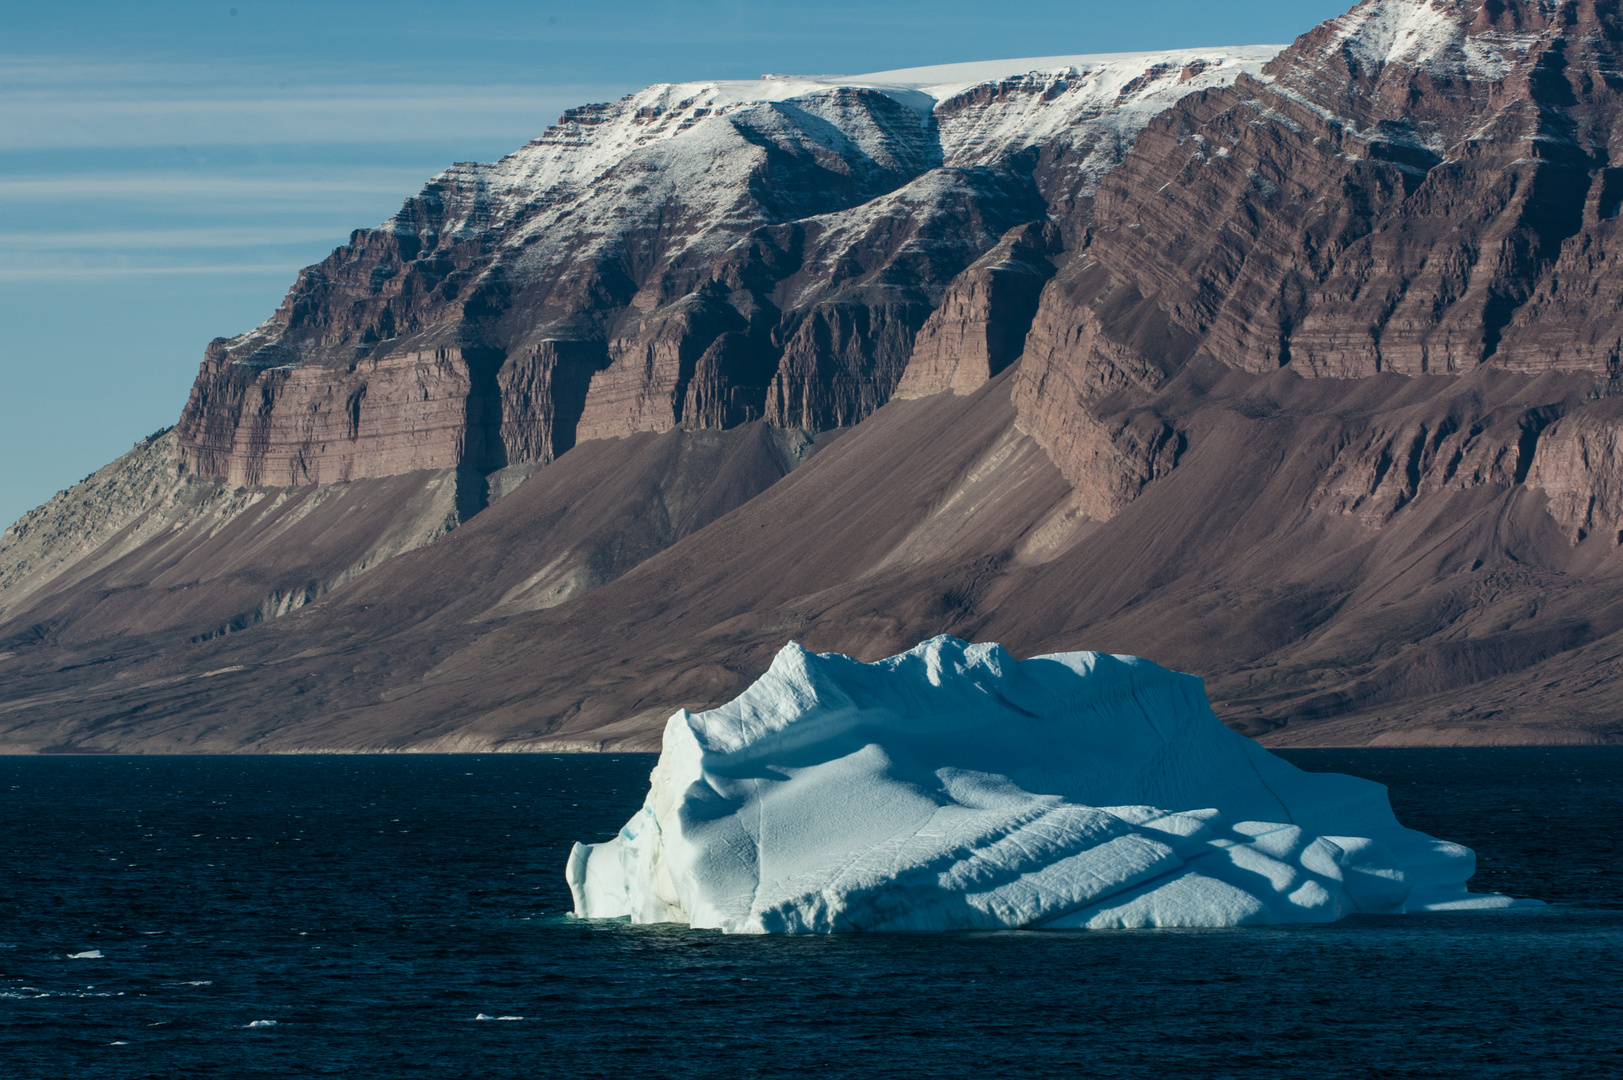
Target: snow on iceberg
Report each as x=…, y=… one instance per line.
x=953, y=787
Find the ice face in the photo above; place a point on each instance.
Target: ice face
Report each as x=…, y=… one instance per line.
x=953, y=787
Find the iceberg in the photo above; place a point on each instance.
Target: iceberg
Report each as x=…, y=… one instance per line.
x=953, y=787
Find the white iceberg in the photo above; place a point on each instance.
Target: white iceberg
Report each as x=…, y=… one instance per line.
x=953, y=787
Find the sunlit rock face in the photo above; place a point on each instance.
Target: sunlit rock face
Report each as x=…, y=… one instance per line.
x=953, y=787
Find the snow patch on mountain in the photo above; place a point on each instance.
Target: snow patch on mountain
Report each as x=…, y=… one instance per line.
x=1429, y=34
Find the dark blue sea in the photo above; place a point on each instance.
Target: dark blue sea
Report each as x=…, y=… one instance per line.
x=351, y=916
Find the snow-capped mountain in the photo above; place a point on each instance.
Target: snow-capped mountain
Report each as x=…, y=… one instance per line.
x=1297, y=371
x=699, y=254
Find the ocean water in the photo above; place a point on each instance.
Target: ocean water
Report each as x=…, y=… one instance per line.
x=313, y=916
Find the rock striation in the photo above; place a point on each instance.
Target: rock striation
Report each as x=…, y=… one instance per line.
x=981, y=325
x=1404, y=189
x=1578, y=464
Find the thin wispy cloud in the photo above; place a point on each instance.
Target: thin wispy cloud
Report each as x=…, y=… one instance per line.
x=92, y=271
x=337, y=116
x=51, y=103
x=188, y=187
x=160, y=239
x=163, y=252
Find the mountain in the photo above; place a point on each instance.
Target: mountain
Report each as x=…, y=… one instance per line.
x=699, y=255
x=1295, y=369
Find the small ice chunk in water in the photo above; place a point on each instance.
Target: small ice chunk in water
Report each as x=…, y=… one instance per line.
x=263, y=1024
x=88, y=954
x=482, y=1016
x=953, y=787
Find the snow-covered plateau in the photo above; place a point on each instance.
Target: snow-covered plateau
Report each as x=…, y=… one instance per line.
x=712, y=133
x=953, y=787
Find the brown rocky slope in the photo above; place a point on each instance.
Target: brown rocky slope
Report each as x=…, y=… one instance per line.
x=1312, y=395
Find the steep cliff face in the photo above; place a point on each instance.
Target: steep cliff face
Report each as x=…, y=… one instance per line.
x=695, y=255
x=980, y=327
x=1578, y=464
x=294, y=424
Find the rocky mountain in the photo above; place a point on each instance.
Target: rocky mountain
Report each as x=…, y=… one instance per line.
x=698, y=255
x=1292, y=368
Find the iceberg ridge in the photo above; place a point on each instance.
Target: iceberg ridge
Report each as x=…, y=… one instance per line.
x=953, y=787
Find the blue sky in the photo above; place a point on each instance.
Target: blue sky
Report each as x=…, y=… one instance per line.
x=166, y=167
